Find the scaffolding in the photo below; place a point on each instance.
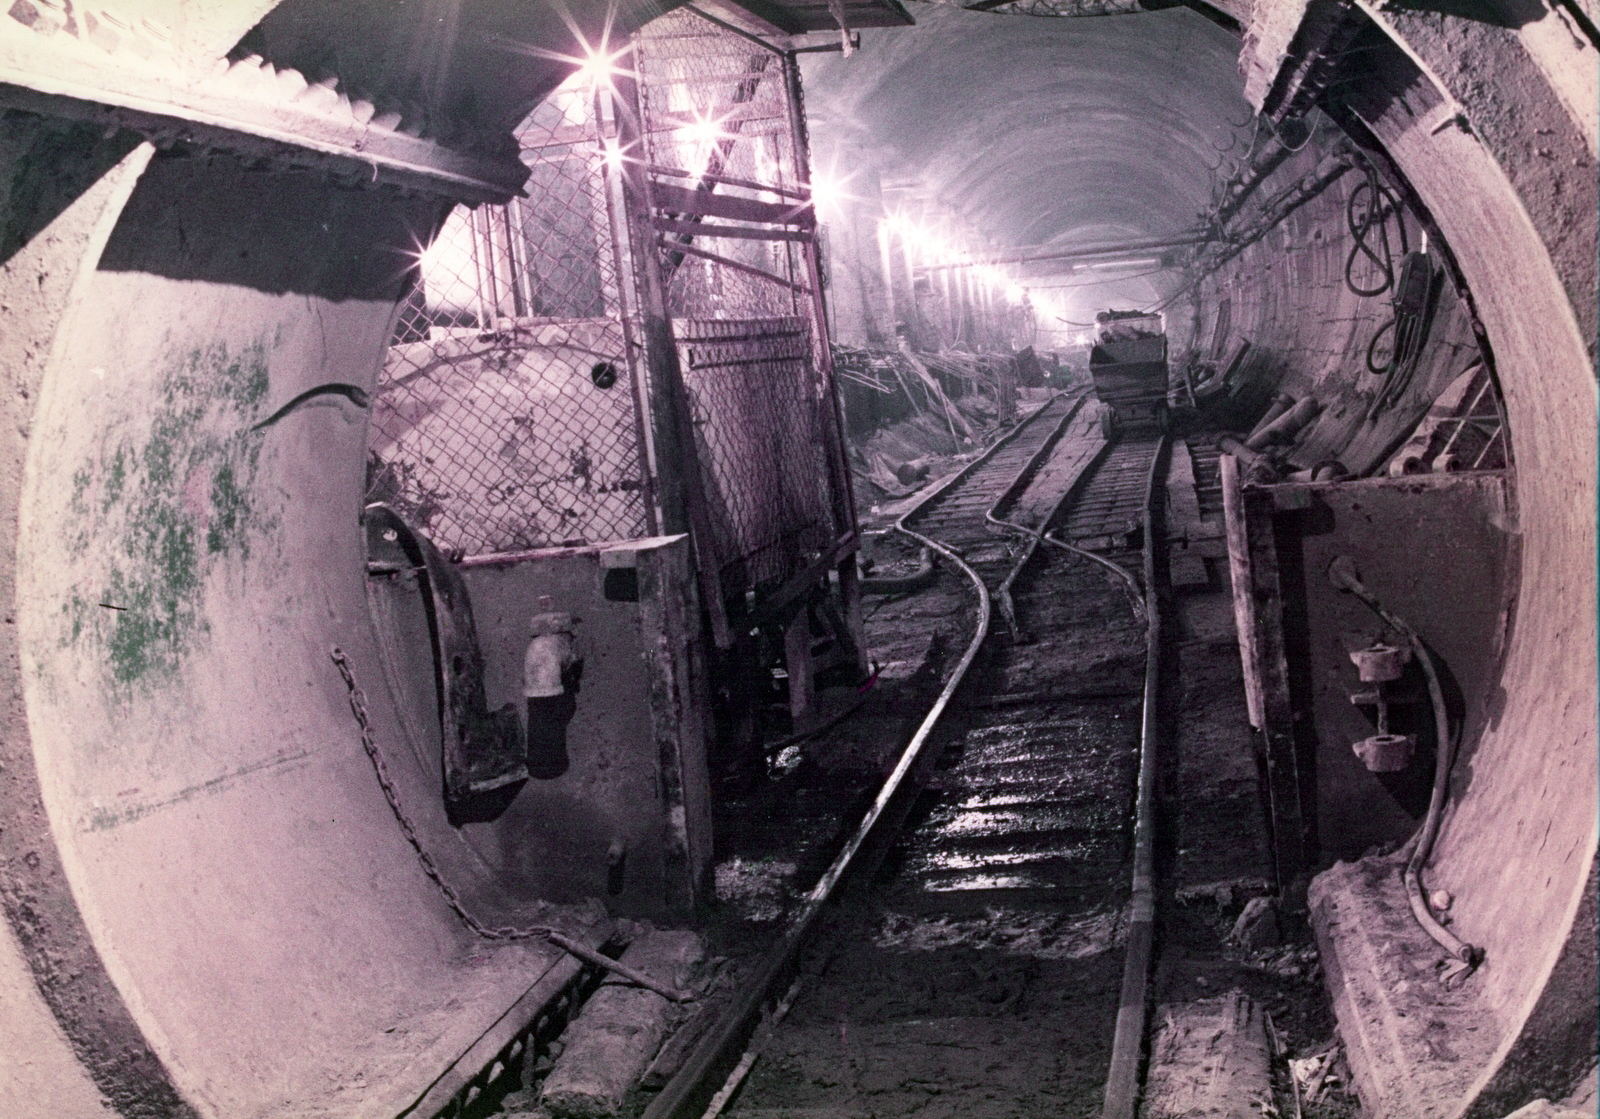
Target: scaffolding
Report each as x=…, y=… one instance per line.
x=637, y=347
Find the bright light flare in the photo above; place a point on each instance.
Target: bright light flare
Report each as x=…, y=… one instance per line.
x=700, y=136
x=599, y=66
x=827, y=192
x=594, y=63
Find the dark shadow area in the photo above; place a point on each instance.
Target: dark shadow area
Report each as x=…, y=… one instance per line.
x=1510, y=14
x=217, y=219
x=62, y=160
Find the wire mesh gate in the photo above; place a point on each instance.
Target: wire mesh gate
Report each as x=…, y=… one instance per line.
x=520, y=405
x=724, y=147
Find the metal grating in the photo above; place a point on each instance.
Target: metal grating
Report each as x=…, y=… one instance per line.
x=754, y=404
x=509, y=413
x=506, y=416
x=717, y=117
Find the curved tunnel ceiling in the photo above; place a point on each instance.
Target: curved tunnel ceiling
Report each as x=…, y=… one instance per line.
x=1040, y=131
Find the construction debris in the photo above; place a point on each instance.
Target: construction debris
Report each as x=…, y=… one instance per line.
x=610, y=1045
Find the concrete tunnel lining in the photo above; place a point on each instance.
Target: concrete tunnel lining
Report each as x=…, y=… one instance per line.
x=220, y=747
x=218, y=886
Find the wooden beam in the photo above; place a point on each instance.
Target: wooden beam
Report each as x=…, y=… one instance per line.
x=797, y=663
x=737, y=233
x=748, y=269
x=673, y=199
x=773, y=15
x=1258, y=607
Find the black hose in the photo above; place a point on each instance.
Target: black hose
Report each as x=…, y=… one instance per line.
x=1380, y=204
x=1379, y=368
x=901, y=584
x=1343, y=574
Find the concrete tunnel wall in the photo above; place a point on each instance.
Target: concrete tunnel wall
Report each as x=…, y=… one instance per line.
x=183, y=574
x=1519, y=837
x=208, y=899
x=1508, y=178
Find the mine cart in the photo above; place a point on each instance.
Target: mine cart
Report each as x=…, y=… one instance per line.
x=1128, y=364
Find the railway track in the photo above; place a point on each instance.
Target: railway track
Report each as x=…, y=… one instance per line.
x=1020, y=805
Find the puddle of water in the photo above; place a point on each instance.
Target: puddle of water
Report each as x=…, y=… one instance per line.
x=1076, y=741
x=1049, y=936
x=963, y=883
x=1001, y=821
x=955, y=861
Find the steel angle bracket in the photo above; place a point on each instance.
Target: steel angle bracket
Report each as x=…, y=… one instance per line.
x=483, y=750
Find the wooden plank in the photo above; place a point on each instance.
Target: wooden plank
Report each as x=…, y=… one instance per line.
x=797, y=662
x=850, y=601
x=1258, y=606
x=1185, y=565
x=1182, y=501
x=1209, y=1060
x=674, y=199
x=1244, y=606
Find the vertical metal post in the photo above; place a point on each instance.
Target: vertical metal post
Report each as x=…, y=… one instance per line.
x=617, y=291
x=517, y=259
x=831, y=414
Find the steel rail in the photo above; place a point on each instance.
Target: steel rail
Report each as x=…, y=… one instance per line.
x=1018, y=486
x=685, y=1088
x=1122, y=1080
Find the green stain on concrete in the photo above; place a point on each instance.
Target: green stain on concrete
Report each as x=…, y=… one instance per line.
x=230, y=508
x=175, y=504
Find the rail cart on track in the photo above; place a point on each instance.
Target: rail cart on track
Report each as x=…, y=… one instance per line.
x=1128, y=364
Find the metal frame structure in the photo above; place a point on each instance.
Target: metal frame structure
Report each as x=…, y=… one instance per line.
x=640, y=346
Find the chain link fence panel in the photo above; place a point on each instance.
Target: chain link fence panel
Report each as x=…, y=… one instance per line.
x=505, y=417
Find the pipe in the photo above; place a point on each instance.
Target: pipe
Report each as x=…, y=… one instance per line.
x=902, y=584
x=1342, y=573
x=1281, y=403
x=1287, y=426
x=1230, y=445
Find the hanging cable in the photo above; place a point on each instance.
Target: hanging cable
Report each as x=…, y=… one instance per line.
x=1379, y=205
x=1413, y=299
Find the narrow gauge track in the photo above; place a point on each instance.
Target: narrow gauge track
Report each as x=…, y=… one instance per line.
x=1005, y=840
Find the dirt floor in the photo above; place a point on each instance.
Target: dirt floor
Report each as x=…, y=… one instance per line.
x=995, y=1011
x=1000, y=1002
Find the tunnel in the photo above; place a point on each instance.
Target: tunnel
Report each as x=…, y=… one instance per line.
x=213, y=220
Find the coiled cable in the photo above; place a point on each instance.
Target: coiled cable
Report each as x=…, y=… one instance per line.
x=1379, y=205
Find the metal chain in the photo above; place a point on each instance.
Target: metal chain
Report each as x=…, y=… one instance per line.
x=358, y=705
